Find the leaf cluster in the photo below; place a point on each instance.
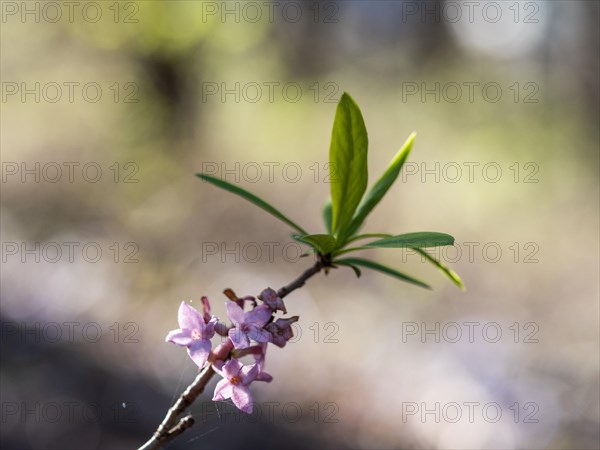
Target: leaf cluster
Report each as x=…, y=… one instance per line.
x=351, y=203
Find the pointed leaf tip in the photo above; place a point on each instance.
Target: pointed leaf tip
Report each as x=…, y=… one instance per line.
x=453, y=276
x=414, y=240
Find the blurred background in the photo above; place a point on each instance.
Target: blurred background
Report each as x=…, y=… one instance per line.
x=109, y=108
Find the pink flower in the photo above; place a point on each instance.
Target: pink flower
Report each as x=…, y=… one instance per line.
x=248, y=325
x=234, y=385
x=193, y=333
x=270, y=297
x=258, y=351
x=281, y=330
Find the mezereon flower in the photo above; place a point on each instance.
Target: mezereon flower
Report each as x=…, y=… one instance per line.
x=248, y=325
x=194, y=333
x=234, y=385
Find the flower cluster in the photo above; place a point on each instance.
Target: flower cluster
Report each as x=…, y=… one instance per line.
x=249, y=334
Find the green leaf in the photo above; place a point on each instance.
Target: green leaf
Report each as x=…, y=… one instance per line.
x=413, y=240
x=446, y=270
x=324, y=243
x=298, y=238
x=368, y=236
x=347, y=163
x=379, y=189
x=251, y=198
x=357, y=271
x=408, y=240
x=376, y=266
x=327, y=216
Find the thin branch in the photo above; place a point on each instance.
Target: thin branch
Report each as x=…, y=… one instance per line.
x=170, y=427
x=299, y=282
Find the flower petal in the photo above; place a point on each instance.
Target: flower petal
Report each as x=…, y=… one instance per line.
x=287, y=322
x=223, y=390
x=234, y=312
x=279, y=340
x=239, y=338
x=199, y=351
x=242, y=398
x=259, y=316
x=259, y=334
x=264, y=376
x=189, y=318
x=249, y=374
x=179, y=337
x=231, y=368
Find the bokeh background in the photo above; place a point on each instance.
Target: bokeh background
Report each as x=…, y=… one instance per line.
x=109, y=108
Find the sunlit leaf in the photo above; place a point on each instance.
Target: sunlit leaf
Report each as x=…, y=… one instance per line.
x=348, y=163
x=413, y=240
x=298, y=238
x=368, y=236
x=324, y=243
x=327, y=216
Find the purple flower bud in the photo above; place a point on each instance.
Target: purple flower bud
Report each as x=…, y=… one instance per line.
x=281, y=330
x=270, y=298
x=205, y=308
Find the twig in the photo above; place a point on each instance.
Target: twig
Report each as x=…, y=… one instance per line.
x=170, y=428
x=299, y=282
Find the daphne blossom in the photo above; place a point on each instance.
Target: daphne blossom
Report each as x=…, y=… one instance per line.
x=248, y=325
x=247, y=336
x=234, y=385
x=194, y=333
